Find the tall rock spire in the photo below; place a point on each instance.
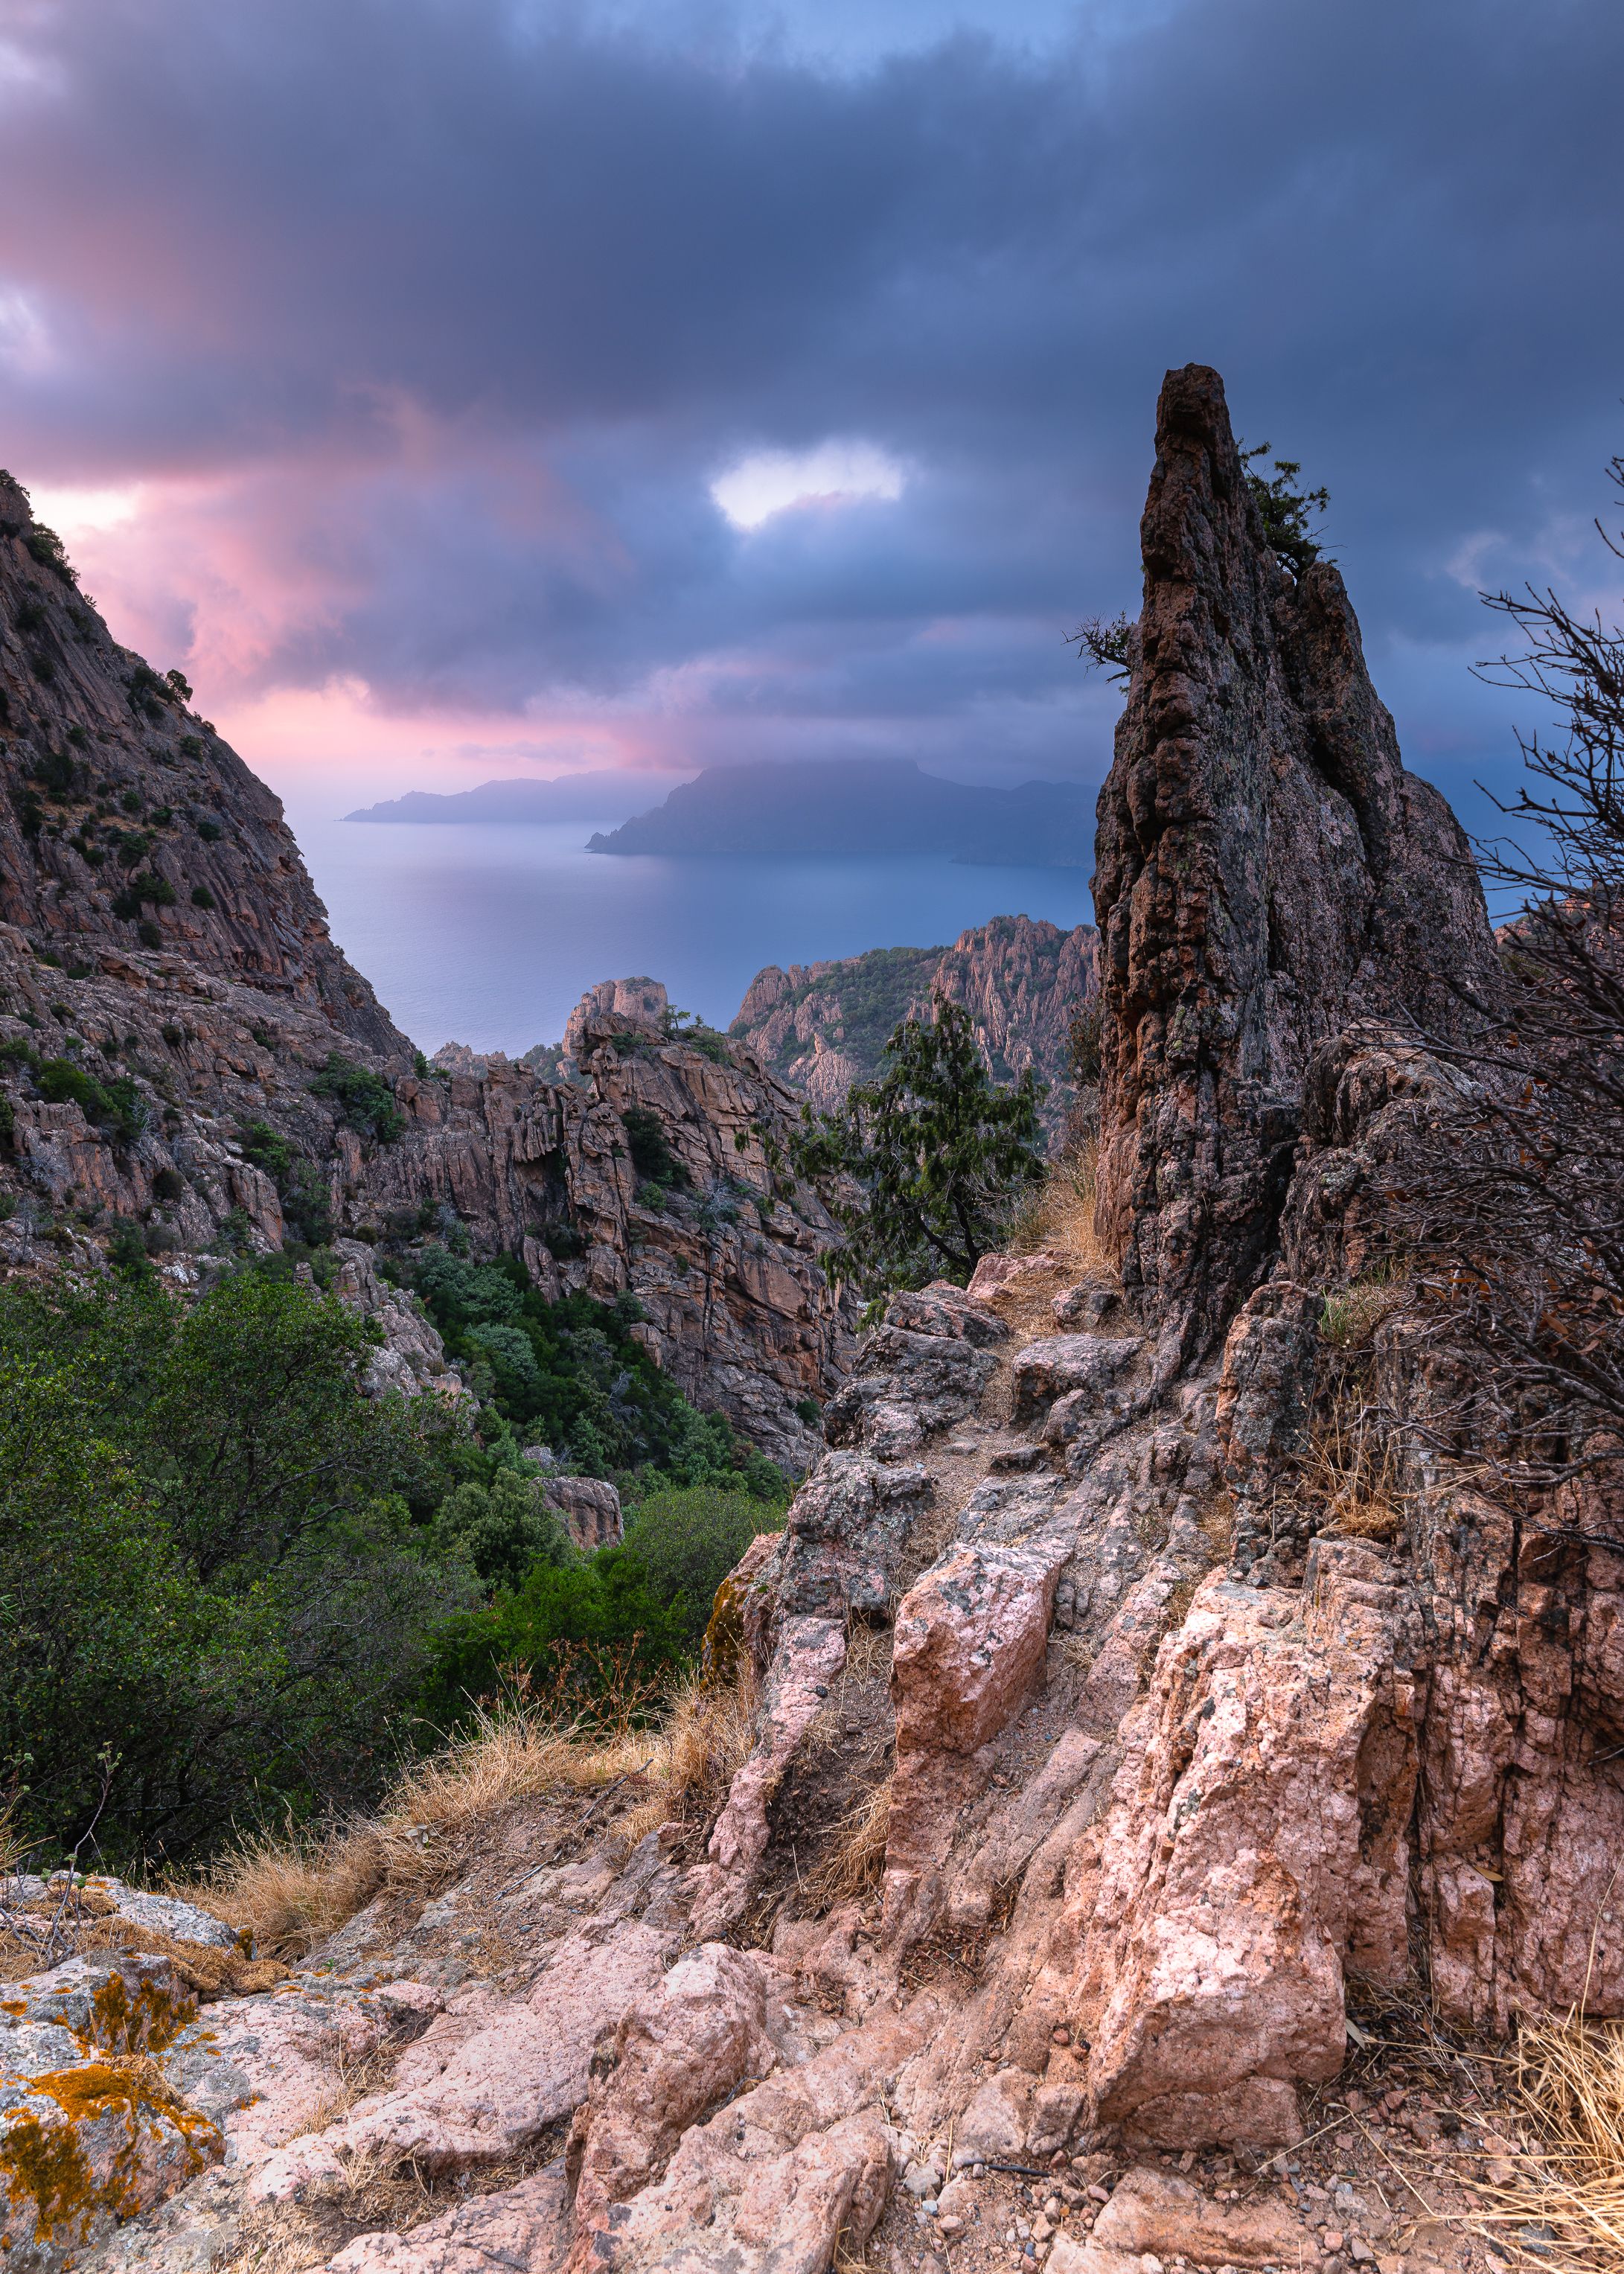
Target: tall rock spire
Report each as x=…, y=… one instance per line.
x=1267, y=872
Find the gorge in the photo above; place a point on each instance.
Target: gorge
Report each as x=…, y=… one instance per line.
x=1086, y=1769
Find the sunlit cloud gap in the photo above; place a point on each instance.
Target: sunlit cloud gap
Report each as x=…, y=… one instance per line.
x=835, y=473
x=74, y=512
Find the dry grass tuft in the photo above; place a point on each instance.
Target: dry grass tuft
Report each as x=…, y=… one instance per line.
x=1566, y=2206
x=856, y=1859
x=293, y=1891
x=1354, y=1472
x=1352, y=1313
x=1059, y=1216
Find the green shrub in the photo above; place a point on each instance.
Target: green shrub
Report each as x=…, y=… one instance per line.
x=210, y=832
x=687, y=1541
x=45, y=547
x=541, y=1633
x=202, y=898
x=596, y=1396
x=222, y=1574
x=306, y=1203
x=115, y=1103
x=651, y=1156
x=364, y=1099
x=504, y=1528
x=143, y=890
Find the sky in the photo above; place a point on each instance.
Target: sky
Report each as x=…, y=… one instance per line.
x=460, y=389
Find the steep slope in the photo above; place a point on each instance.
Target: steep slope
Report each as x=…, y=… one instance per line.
x=1099, y=1750
x=127, y=822
x=821, y=1026
x=1267, y=872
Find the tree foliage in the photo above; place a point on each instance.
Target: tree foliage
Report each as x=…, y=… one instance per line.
x=217, y=1563
x=1289, y=512
x=573, y=1375
x=642, y=1606
x=922, y=1166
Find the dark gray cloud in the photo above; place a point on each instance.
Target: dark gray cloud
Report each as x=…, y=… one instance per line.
x=461, y=305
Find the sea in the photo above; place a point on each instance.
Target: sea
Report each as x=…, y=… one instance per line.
x=489, y=935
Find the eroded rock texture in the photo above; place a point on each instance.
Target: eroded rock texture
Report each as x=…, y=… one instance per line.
x=823, y=1025
x=1092, y=1750
x=1267, y=872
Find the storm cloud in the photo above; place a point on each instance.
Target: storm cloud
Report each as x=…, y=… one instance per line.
x=396, y=355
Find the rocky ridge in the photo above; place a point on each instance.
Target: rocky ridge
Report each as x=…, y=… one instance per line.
x=169, y=987
x=821, y=1026
x=1099, y=1751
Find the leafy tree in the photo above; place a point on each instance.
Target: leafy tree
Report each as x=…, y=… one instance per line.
x=936, y=1152
x=571, y=1373
x=536, y=1633
x=220, y=1553
x=688, y=1542
x=504, y=1527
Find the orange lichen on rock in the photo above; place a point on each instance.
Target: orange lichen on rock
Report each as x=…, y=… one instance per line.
x=145, y=2022
x=113, y=2140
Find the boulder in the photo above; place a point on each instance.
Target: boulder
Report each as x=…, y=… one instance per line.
x=591, y=1508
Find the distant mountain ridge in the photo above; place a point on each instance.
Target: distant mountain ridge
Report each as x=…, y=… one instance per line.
x=525, y=797
x=863, y=805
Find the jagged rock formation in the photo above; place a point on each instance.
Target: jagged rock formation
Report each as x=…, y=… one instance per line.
x=167, y=984
x=821, y=1026
x=1267, y=873
x=1095, y=1749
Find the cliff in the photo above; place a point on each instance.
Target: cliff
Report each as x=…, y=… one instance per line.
x=127, y=823
x=172, y=1006
x=821, y=1026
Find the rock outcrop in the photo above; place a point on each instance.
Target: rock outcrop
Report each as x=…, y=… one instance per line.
x=821, y=1026
x=1268, y=873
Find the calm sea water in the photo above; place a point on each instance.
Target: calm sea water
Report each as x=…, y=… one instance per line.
x=490, y=936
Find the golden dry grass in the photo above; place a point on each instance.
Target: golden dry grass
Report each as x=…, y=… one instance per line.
x=856, y=1857
x=291, y=1891
x=1058, y=1217
x=1567, y=2199
x=1354, y=1472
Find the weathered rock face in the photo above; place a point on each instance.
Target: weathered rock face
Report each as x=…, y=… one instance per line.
x=158, y=930
x=1267, y=872
x=821, y=1026
x=111, y=781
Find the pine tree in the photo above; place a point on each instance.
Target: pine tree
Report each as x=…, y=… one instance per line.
x=920, y=1166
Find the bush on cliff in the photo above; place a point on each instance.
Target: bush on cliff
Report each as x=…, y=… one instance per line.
x=573, y=1375
x=217, y=1559
x=922, y=1167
